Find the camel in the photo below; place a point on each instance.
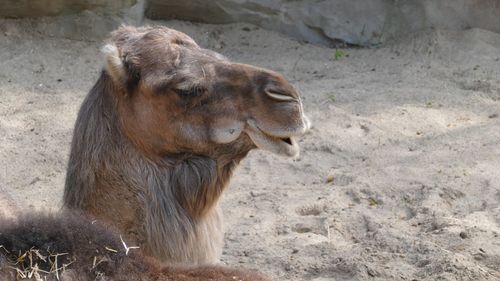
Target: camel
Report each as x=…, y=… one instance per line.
x=68, y=246
x=160, y=133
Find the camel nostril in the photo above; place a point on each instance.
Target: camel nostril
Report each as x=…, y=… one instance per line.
x=279, y=95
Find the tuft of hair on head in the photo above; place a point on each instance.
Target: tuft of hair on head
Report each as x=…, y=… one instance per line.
x=114, y=64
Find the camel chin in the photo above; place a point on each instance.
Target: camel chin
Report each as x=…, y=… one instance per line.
x=282, y=145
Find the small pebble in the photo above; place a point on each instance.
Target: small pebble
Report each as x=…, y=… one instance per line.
x=329, y=179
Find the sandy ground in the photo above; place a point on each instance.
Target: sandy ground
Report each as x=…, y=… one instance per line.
x=398, y=179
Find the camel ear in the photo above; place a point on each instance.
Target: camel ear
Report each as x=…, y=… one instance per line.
x=113, y=64
x=122, y=68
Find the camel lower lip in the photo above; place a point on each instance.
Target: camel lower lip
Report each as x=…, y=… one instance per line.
x=284, y=146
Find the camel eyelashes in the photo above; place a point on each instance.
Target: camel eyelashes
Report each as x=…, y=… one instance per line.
x=192, y=92
x=279, y=95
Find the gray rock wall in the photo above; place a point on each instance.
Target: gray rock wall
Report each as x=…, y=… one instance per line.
x=326, y=22
x=360, y=22
x=37, y=8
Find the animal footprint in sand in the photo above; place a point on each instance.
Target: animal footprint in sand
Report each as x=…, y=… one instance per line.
x=310, y=210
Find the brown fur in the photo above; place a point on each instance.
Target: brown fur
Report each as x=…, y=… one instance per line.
x=160, y=133
x=91, y=251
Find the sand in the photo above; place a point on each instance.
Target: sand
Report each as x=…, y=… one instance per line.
x=397, y=180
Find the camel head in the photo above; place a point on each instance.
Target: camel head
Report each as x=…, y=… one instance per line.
x=176, y=97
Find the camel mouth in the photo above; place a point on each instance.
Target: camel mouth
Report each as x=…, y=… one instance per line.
x=286, y=146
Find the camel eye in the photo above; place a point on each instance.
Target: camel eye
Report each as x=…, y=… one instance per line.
x=189, y=93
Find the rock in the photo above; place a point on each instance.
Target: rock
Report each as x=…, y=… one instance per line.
x=39, y=8
x=86, y=25
x=326, y=22
x=331, y=22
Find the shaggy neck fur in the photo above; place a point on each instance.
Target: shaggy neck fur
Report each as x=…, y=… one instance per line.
x=175, y=197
